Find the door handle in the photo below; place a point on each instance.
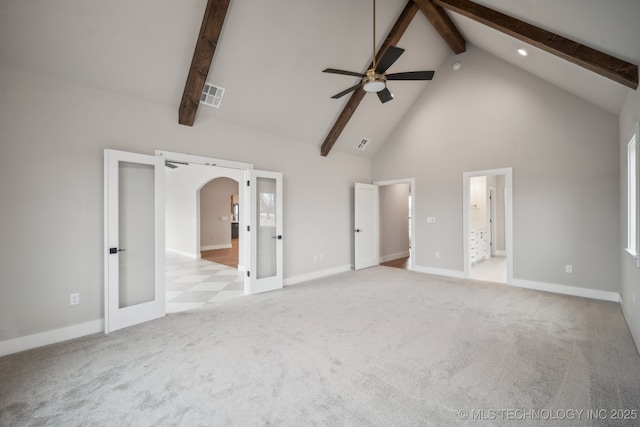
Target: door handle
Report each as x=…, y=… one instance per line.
x=279, y=237
x=358, y=230
x=115, y=250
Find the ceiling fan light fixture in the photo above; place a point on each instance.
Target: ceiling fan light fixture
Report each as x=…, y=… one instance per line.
x=373, y=82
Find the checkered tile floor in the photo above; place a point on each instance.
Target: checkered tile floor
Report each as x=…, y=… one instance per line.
x=192, y=283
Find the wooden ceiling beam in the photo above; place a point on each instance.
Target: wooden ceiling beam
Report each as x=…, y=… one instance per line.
x=210, y=30
x=443, y=25
x=401, y=25
x=601, y=63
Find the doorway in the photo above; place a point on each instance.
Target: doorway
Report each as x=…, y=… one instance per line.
x=487, y=225
x=219, y=221
x=199, y=225
x=396, y=226
x=236, y=215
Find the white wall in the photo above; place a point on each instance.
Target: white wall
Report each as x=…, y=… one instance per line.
x=565, y=159
x=630, y=279
x=478, y=202
x=215, y=206
x=51, y=192
x=394, y=221
x=182, y=204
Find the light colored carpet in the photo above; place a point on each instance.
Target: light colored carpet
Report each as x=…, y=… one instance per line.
x=378, y=347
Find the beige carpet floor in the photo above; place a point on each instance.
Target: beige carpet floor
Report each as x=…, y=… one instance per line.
x=378, y=347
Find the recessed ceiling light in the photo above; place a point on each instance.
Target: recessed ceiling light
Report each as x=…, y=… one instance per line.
x=522, y=52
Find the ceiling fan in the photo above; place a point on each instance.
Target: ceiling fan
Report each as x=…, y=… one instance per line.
x=375, y=79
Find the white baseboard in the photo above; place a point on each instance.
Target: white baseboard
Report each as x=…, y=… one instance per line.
x=50, y=337
x=500, y=253
x=215, y=247
x=392, y=257
x=183, y=253
x=316, y=275
x=439, y=271
x=567, y=290
x=539, y=286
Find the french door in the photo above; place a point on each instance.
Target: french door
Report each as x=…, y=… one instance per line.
x=265, y=231
x=366, y=228
x=134, y=239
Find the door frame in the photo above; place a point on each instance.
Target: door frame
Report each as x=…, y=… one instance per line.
x=412, y=213
x=466, y=194
x=248, y=169
x=492, y=220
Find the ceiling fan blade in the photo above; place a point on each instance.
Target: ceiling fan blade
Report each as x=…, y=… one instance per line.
x=385, y=95
x=344, y=92
x=346, y=73
x=411, y=75
x=390, y=56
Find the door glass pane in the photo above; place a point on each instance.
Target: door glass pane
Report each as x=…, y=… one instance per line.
x=266, y=236
x=136, y=205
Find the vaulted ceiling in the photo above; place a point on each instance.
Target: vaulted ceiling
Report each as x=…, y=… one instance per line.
x=269, y=55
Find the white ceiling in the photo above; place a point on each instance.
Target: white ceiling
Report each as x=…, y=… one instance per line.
x=271, y=54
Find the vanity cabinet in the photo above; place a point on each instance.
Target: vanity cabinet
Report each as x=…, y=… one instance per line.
x=478, y=245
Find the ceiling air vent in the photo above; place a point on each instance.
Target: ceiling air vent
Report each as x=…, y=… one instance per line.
x=212, y=95
x=363, y=144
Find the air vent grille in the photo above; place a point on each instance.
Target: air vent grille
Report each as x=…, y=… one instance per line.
x=212, y=95
x=363, y=144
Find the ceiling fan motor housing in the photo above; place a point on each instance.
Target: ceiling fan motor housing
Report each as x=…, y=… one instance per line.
x=374, y=82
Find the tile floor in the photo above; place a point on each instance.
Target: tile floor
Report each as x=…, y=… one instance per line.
x=192, y=283
x=493, y=269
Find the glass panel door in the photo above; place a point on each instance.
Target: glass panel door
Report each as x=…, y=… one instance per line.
x=134, y=239
x=265, y=231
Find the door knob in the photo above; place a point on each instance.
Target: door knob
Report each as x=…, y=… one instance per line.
x=358, y=230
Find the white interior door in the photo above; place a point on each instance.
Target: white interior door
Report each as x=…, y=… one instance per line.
x=366, y=228
x=265, y=231
x=134, y=239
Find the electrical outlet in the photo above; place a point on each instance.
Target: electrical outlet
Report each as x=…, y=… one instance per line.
x=74, y=299
x=437, y=255
x=315, y=258
x=431, y=220
x=321, y=257
x=568, y=269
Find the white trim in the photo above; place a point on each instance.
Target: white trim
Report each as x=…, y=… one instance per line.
x=501, y=253
x=538, y=286
x=316, y=275
x=439, y=272
x=632, y=245
x=201, y=160
x=183, y=253
x=394, y=256
x=215, y=247
x=567, y=290
x=50, y=337
x=412, y=194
